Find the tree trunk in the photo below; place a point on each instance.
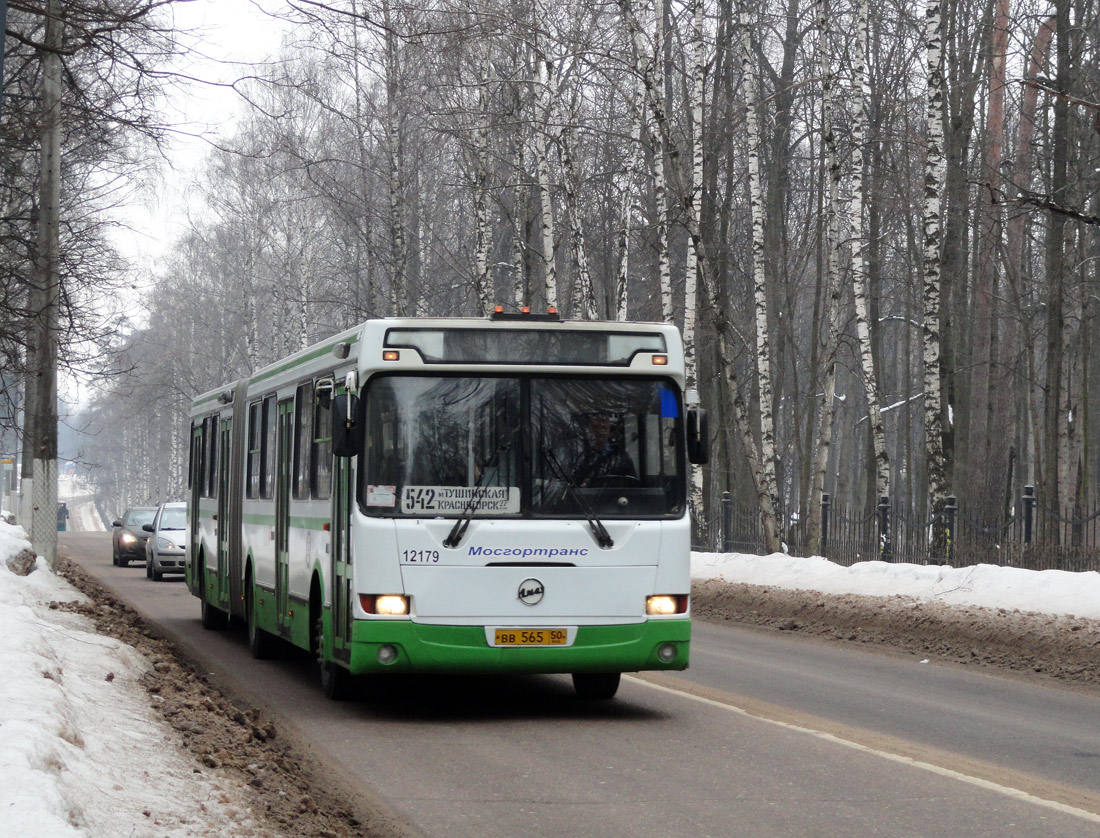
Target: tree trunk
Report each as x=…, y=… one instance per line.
x=399, y=246
x=629, y=209
x=483, y=284
x=986, y=466
x=933, y=179
x=42, y=414
x=1055, y=417
x=693, y=201
x=647, y=63
x=760, y=292
x=831, y=324
x=859, y=271
x=542, y=175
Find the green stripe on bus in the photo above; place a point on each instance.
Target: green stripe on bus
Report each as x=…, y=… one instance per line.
x=323, y=349
x=297, y=521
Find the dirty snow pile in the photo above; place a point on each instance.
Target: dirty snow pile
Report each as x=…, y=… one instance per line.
x=990, y=586
x=81, y=750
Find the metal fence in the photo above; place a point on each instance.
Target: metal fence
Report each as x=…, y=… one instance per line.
x=1033, y=536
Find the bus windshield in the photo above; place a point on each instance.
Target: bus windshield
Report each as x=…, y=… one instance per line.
x=448, y=446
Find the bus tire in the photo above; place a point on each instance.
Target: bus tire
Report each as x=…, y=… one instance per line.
x=596, y=686
x=212, y=618
x=336, y=682
x=261, y=645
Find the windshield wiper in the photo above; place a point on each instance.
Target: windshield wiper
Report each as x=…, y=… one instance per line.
x=454, y=537
x=603, y=537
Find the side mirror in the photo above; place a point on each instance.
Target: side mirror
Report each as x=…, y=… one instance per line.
x=117, y=523
x=698, y=436
x=346, y=434
x=148, y=527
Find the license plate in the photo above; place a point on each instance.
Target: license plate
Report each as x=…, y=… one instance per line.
x=530, y=637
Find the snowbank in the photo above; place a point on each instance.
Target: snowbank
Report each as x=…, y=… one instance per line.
x=1046, y=591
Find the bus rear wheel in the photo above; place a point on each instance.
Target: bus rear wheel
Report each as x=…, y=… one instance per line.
x=596, y=686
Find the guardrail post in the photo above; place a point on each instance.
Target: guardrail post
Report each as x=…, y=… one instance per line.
x=727, y=519
x=884, y=548
x=950, y=511
x=824, y=523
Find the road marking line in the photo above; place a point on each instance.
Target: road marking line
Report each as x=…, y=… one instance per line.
x=980, y=782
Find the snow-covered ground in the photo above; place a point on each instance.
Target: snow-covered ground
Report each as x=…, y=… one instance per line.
x=1045, y=591
x=82, y=752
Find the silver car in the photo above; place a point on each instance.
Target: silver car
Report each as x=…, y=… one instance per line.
x=166, y=549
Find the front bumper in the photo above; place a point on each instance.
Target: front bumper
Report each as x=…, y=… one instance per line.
x=456, y=649
x=132, y=552
x=170, y=562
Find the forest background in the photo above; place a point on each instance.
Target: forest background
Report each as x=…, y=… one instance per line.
x=876, y=224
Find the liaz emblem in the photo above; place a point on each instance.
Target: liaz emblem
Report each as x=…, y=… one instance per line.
x=531, y=591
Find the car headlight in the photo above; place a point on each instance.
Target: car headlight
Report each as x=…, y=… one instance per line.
x=164, y=544
x=127, y=538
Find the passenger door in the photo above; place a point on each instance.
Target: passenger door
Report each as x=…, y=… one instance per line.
x=284, y=446
x=224, y=526
x=194, y=533
x=341, y=559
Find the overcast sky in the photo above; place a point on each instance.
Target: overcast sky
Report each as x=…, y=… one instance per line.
x=230, y=33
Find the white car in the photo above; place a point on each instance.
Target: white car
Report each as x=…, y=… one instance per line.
x=166, y=549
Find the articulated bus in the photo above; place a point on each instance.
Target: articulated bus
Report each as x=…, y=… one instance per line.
x=463, y=495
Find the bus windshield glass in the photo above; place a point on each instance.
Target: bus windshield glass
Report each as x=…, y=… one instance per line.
x=557, y=446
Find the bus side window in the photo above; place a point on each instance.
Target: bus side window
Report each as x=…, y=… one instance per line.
x=303, y=440
x=321, y=450
x=210, y=432
x=254, y=443
x=194, y=459
x=267, y=472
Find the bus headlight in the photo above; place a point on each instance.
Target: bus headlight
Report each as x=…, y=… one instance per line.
x=665, y=604
x=388, y=605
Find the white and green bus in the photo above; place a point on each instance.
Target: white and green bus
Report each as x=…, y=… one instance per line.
x=454, y=495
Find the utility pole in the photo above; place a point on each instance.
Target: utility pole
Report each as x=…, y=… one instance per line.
x=41, y=414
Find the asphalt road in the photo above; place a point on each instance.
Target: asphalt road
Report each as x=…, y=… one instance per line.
x=766, y=735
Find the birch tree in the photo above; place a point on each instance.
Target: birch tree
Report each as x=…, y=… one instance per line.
x=760, y=291
x=859, y=269
x=933, y=180
x=392, y=64
x=648, y=65
x=693, y=202
x=830, y=246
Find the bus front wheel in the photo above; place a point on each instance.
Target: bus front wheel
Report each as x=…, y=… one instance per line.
x=260, y=644
x=597, y=686
x=213, y=618
x=336, y=682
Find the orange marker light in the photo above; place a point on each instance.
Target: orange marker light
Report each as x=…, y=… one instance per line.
x=391, y=355
x=660, y=360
